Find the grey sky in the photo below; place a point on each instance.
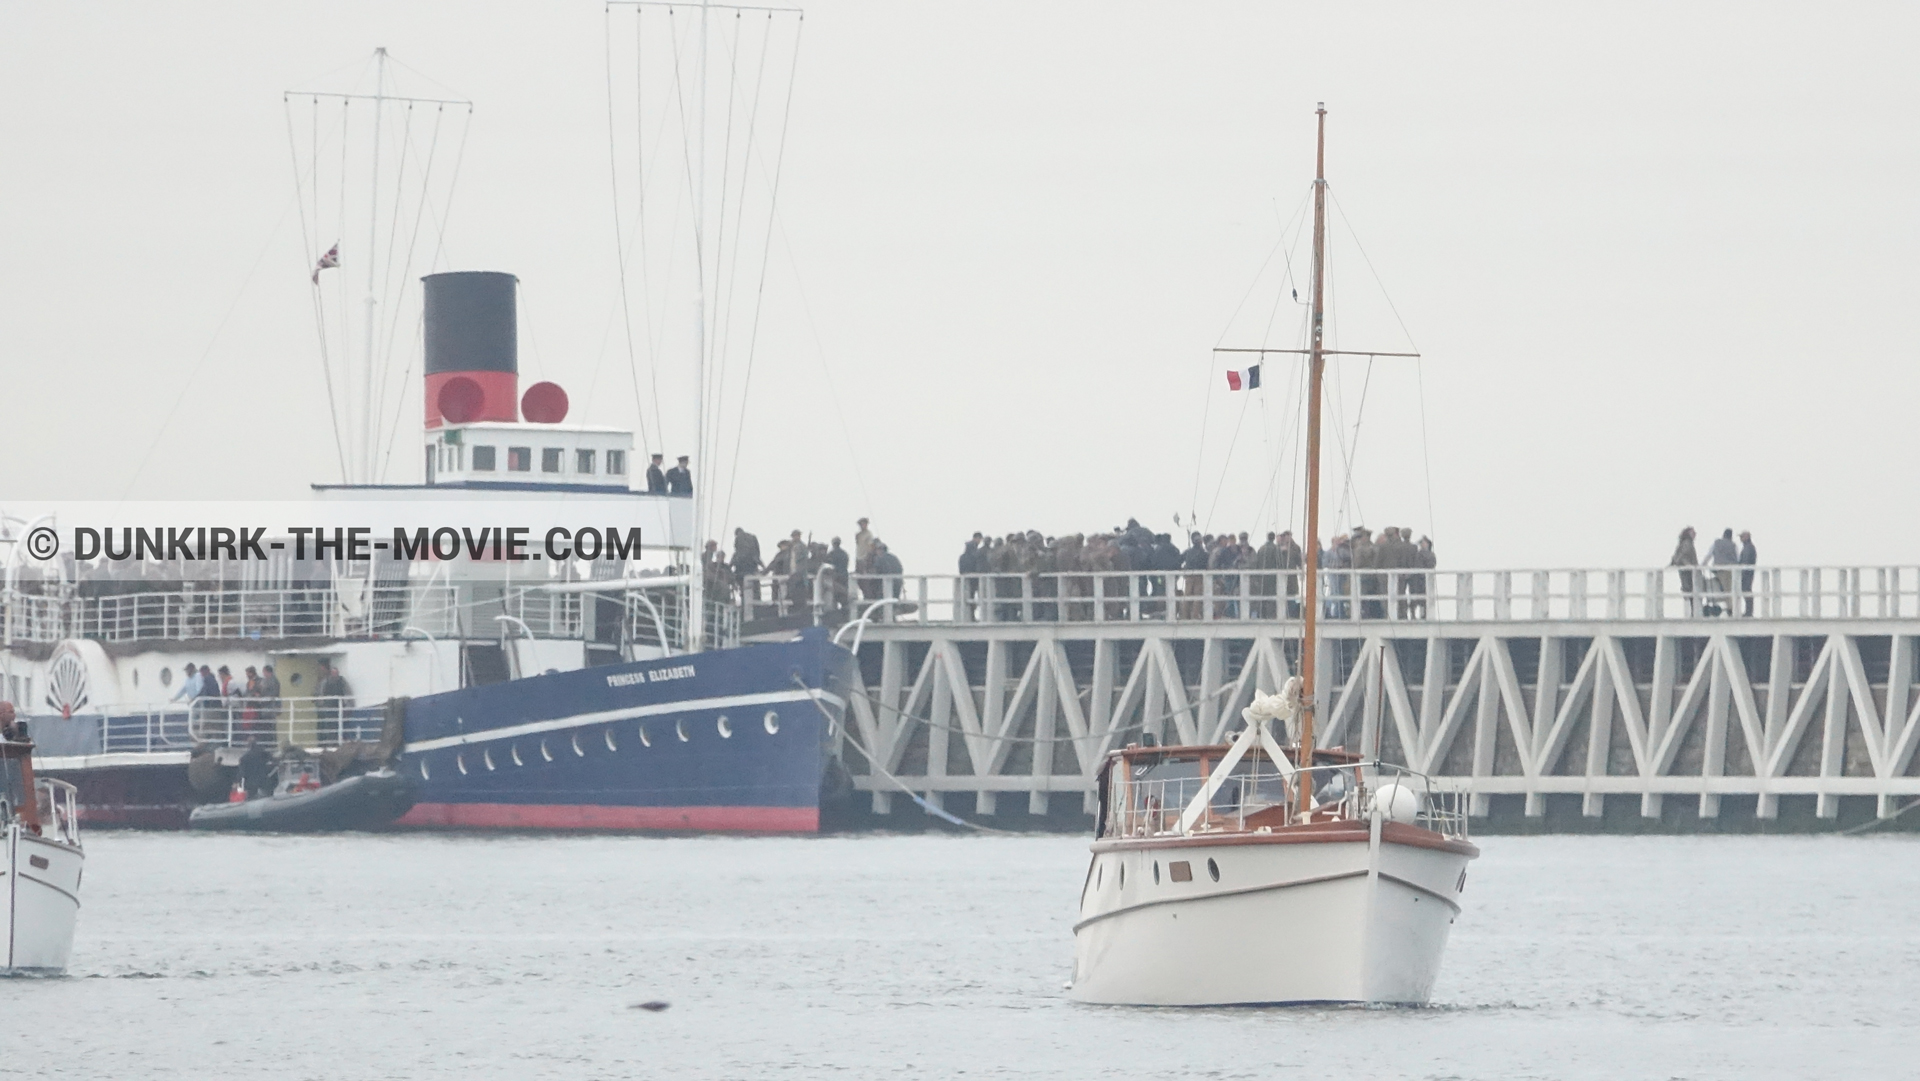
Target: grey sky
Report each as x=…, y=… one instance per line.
x=1660, y=260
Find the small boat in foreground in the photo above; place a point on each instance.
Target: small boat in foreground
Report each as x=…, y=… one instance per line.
x=44, y=860
x=1253, y=873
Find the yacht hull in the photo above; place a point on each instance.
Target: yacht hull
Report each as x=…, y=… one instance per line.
x=42, y=898
x=1339, y=918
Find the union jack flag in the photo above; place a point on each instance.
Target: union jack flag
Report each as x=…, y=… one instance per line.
x=331, y=259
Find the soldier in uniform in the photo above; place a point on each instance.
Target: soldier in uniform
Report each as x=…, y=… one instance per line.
x=1290, y=558
x=1373, y=587
x=1338, y=558
x=656, y=479
x=680, y=478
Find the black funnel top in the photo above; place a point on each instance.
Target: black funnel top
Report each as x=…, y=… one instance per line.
x=470, y=320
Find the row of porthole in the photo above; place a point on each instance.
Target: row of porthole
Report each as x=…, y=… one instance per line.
x=770, y=722
x=1100, y=873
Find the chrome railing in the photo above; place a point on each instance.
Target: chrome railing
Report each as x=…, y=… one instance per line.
x=1153, y=807
x=59, y=819
x=1350, y=596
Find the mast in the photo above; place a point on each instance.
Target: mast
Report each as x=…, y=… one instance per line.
x=1316, y=365
x=697, y=589
x=370, y=427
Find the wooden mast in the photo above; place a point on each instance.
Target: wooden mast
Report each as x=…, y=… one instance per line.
x=1316, y=366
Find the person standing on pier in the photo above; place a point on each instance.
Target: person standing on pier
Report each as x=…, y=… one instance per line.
x=656, y=478
x=1291, y=559
x=1373, y=587
x=1424, y=560
x=1339, y=557
x=1685, y=558
x=1722, y=554
x=863, y=548
x=1748, y=556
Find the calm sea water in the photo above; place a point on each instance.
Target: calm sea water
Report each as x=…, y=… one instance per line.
x=934, y=956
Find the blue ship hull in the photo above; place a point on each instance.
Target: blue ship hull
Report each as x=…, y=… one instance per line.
x=733, y=739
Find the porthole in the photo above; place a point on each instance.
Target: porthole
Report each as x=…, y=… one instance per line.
x=1099, y=875
x=544, y=753
x=578, y=751
x=611, y=745
x=166, y=677
x=1123, y=876
x=136, y=677
x=516, y=755
x=771, y=722
x=1213, y=870
x=1156, y=872
x=425, y=774
x=486, y=757
x=724, y=727
x=644, y=741
x=460, y=761
x=680, y=729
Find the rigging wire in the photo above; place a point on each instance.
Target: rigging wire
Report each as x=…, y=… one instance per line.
x=619, y=235
x=319, y=310
x=1426, y=457
x=439, y=251
x=747, y=154
x=406, y=269
x=716, y=373
x=760, y=291
x=1206, y=402
x=199, y=365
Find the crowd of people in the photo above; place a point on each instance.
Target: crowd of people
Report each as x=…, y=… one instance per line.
x=1135, y=548
x=1711, y=592
x=1032, y=576
x=797, y=564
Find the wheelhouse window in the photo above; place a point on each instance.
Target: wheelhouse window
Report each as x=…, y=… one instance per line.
x=583, y=461
x=483, y=459
x=550, y=459
x=519, y=459
x=617, y=463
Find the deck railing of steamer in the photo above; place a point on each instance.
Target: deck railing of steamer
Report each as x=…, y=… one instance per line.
x=444, y=611
x=1349, y=596
x=318, y=721
x=1153, y=807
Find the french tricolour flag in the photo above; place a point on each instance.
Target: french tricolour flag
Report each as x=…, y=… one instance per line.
x=1248, y=379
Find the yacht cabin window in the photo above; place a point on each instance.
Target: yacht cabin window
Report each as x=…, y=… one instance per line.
x=483, y=459
x=550, y=460
x=583, y=461
x=616, y=463
x=519, y=459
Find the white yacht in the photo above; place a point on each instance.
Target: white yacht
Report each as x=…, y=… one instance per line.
x=1252, y=872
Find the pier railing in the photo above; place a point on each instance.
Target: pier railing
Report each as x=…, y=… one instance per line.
x=1347, y=596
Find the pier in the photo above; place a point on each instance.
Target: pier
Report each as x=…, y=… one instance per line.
x=1602, y=698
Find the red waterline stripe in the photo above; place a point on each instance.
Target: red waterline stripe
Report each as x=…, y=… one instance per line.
x=589, y=817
